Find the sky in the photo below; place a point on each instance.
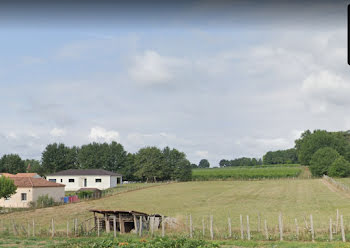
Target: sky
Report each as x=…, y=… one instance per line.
x=215, y=80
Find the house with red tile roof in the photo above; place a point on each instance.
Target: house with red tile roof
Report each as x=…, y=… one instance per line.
x=29, y=189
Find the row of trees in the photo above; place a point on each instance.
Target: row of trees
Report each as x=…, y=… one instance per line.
x=149, y=163
x=288, y=156
x=240, y=162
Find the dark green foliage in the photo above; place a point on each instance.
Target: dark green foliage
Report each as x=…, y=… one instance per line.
x=34, y=166
x=288, y=156
x=321, y=160
x=240, y=162
x=204, y=163
x=194, y=166
x=57, y=157
x=158, y=242
x=43, y=201
x=309, y=143
x=12, y=163
x=149, y=162
x=339, y=168
x=85, y=194
x=7, y=187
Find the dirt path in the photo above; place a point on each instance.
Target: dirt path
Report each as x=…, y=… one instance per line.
x=334, y=189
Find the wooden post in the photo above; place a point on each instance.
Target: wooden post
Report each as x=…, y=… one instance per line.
x=108, y=229
x=229, y=227
x=330, y=230
x=33, y=228
x=163, y=226
x=28, y=231
x=191, y=234
x=280, y=226
x=140, y=228
x=67, y=229
x=248, y=228
x=98, y=226
x=266, y=230
x=242, y=231
x=52, y=228
x=337, y=222
x=296, y=228
x=258, y=222
x=306, y=225
x=312, y=228
x=121, y=224
x=211, y=227
x=135, y=224
x=342, y=228
x=203, y=227
x=151, y=220
x=115, y=225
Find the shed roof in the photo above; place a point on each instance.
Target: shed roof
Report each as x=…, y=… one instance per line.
x=117, y=212
x=87, y=172
x=29, y=182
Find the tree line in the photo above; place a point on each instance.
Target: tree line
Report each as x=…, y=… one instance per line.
x=240, y=162
x=148, y=164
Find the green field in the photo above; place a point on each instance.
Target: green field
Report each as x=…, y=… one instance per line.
x=222, y=199
x=244, y=173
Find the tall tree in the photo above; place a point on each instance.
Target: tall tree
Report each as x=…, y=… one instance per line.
x=204, y=163
x=7, y=187
x=57, y=157
x=12, y=163
x=149, y=162
x=321, y=160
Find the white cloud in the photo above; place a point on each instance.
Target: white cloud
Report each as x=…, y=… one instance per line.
x=57, y=132
x=101, y=134
x=324, y=89
x=202, y=154
x=150, y=67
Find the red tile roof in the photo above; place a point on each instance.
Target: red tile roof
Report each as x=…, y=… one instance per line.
x=24, y=175
x=28, y=182
x=6, y=174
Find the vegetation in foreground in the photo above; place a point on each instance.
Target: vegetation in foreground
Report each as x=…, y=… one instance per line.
x=245, y=173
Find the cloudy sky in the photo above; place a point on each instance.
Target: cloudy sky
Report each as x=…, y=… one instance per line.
x=216, y=81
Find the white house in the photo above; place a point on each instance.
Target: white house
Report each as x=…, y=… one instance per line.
x=29, y=189
x=89, y=178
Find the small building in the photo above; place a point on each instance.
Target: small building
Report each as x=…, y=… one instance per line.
x=124, y=221
x=29, y=189
x=76, y=179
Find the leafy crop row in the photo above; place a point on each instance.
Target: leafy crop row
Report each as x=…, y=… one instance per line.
x=245, y=173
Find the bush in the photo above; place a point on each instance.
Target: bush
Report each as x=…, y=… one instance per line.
x=321, y=160
x=43, y=201
x=339, y=168
x=85, y=194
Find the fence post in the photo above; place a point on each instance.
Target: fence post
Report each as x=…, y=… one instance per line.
x=242, y=231
x=337, y=222
x=248, y=228
x=67, y=231
x=53, y=227
x=266, y=230
x=258, y=222
x=312, y=228
x=211, y=227
x=163, y=226
x=229, y=227
x=191, y=234
x=151, y=220
x=203, y=226
x=28, y=231
x=33, y=228
x=330, y=230
x=296, y=228
x=280, y=226
x=342, y=228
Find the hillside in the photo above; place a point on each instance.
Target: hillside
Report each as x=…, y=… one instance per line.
x=294, y=198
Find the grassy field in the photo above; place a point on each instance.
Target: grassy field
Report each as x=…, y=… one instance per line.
x=244, y=173
x=222, y=199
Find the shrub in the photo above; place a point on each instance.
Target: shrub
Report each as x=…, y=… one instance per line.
x=43, y=201
x=339, y=168
x=85, y=194
x=321, y=160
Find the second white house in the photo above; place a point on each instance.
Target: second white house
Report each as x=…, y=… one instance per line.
x=90, y=178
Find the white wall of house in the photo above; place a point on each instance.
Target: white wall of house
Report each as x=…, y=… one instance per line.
x=74, y=183
x=31, y=194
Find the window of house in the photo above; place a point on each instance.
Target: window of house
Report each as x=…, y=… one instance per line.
x=52, y=180
x=71, y=180
x=61, y=180
x=98, y=180
x=24, y=196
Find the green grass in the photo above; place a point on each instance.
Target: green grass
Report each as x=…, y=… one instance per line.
x=245, y=173
x=222, y=199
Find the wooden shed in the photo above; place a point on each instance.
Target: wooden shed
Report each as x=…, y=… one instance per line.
x=120, y=220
